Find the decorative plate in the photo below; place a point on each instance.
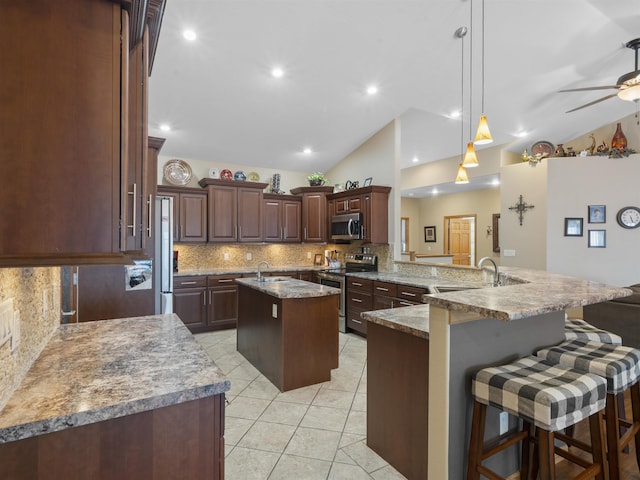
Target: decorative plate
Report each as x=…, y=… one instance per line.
x=214, y=173
x=239, y=176
x=253, y=177
x=543, y=148
x=226, y=174
x=177, y=172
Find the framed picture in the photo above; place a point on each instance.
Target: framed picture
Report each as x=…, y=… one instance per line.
x=318, y=260
x=430, y=234
x=597, y=238
x=597, y=213
x=367, y=181
x=573, y=227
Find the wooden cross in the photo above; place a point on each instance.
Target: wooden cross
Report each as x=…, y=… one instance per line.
x=521, y=207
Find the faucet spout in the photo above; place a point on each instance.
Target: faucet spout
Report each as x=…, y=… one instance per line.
x=496, y=275
x=259, y=274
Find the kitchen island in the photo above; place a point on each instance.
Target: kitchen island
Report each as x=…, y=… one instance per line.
x=128, y=398
x=449, y=339
x=288, y=329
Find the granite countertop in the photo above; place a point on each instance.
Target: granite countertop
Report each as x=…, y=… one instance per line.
x=290, y=288
x=412, y=320
x=242, y=270
x=415, y=281
x=96, y=371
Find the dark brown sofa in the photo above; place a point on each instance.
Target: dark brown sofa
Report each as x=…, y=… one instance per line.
x=621, y=316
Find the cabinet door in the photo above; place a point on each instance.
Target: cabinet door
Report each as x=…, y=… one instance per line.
x=272, y=221
x=249, y=215
x=193, y=217
x=314, y=221
x=223, y=207
x=190, y=304
x=291, y=217
x=223, y=307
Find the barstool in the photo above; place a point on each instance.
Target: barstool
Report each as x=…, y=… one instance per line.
x=547, y=398
x=578, y=329
x=620, y=366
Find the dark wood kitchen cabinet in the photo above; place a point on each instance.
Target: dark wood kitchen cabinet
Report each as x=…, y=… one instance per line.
x=359, y=298
x=314, y=213
x=190, y=301
x=373, y=203
x=66, y=136
x=189, y=213
x=206, y=303
x=223, y=302
x=281, y=215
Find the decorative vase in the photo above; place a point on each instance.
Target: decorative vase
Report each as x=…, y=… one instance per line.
x=316, y=183
x=560, y=151
x=619, y=141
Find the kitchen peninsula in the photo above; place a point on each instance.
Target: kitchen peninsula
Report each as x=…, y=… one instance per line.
x=288, y=329
x=435, y=348
x=128, y=398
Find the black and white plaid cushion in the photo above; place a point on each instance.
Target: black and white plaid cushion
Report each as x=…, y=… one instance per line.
x=578, y=329
x=619, y=365
x=550, y=396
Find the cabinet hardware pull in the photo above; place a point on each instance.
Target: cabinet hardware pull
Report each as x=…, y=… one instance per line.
x=356, y=321
x=210, y=297
x=133, y=216
x=382, y=289
x=357, y=300
x=187, y=283
x=149, y=219
x=305, y=233
x=356, y=284
x=406, y=304
x=204, y=298
x=67, y=314
x=408, y=294
x=225, y=280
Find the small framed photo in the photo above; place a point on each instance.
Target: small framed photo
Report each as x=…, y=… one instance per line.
x=597, y=213
x=430, y=234
x=318, y=260
x=367, y=181
x=597, y=238
x=573, y=227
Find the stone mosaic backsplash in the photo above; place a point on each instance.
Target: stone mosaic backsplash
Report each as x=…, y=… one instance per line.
x=25, y=286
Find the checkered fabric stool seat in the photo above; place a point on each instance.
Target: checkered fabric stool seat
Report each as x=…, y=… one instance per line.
x=620, y=367
x=578, y=329
x=544, y=395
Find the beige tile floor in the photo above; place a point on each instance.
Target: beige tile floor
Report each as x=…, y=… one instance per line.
x=316, y=432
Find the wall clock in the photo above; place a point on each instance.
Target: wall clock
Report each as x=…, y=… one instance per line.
x=629, y=217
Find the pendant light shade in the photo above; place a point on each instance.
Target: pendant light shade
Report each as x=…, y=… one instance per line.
x=483, y=135
x=462, y=176
x=470, y=158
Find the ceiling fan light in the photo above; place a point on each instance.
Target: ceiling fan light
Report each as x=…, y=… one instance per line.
x=462, y=176
x=483, y=135
x=470, y=158
x=630, y=94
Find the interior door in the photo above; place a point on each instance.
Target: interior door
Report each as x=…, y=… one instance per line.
x=460, y=241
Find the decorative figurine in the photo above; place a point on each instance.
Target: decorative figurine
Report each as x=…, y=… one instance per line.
x=592, y=147
x=560, y=151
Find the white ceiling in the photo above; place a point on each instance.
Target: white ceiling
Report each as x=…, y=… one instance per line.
x=223, y=105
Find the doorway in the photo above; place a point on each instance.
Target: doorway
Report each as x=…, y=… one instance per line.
x=460, y=238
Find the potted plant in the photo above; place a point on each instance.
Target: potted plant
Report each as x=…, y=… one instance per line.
x=317, y=179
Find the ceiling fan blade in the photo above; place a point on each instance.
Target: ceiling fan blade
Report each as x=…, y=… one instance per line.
x=589, y=88
x=593, y=103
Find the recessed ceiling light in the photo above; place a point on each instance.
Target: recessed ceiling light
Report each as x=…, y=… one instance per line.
x=189, y=35
x=277, y=72
x=522, y=133
x=434, y=191
x=455, y=114
x=495, y=182
x=411, y=194
x=165, y=127
x=415, y=160
x=307, y=151
x=372, y=90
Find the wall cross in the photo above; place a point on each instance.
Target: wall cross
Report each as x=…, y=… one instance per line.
x=521, y=207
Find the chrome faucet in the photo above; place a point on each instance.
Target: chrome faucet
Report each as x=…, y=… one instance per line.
x=496, y=281
x=259, y=274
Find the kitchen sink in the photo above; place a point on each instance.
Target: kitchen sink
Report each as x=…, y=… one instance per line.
x=274, y=279
x=449, y=288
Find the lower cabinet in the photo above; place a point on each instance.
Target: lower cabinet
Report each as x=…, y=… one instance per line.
x=206, y=303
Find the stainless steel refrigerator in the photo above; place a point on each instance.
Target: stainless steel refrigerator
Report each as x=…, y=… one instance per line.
x=163, y=270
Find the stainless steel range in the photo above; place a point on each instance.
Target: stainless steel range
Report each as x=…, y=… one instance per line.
x=354, y=262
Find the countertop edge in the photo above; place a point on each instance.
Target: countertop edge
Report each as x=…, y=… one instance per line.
x=289, y=289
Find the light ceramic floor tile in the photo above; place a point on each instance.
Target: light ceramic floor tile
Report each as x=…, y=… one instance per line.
x=364, y=456
x=349, y=439
x=261, y=388
x=299, y=395
x=326, y=418
x=227, y=450
x=290, y=467
x=272, y=437
x=244, y=371
x=347, y=382
x=333, y=398
x=249, y=408
x=237, y=386
x=284, y=412
x=314, y=443
x=235, y=428
x=356, y=423
x=342, y=471
x=342, y=457
x=388, y=473
x=249, y=464
x=359, y=402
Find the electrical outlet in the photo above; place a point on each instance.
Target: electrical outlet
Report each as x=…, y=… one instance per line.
x=504, y=422
x=45, y=301
x=225, y=256
x=509, y=253
x=249, y=256
x=274, y=310
x=6, y=320
x=308, y=255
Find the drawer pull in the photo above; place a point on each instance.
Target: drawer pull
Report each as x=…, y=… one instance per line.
x=356, y=284
x=187, y=283
x=225, y=280
x=356, y=300
x=356, y=321
x=406, y=304
x=382, y=289
x=408, y=294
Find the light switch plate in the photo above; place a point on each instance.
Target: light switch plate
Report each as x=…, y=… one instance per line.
x=509, y=253
x=249, y=256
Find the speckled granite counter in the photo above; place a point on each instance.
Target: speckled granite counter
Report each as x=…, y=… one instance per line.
x=412, y=320
x=417, y=281
x=290, y=288
x=245, y=270
x=96, y=371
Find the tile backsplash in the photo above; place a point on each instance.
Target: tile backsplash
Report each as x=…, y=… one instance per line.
x=26, y=286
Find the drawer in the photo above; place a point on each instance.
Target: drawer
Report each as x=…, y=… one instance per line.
x=412, y=294
x=190, y=282
x=222, y=280
x=354, y=322
x=361, y=284
x=381, y=302
x=384, y=288
x=359, y=300
x=404, y=303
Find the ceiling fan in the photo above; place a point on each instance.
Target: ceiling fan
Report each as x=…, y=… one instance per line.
x=628, y=85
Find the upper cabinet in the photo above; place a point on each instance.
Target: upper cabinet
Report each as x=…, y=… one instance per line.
x=314, y=213
x=281, y=217
x=373, y=203
x=74, y=135
x=189, y=213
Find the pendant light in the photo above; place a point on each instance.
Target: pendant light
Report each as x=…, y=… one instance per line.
x=462, y=176
x=470, y=158
x=483, y=135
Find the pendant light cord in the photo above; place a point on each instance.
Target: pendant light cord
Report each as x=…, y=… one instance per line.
x=462, y=99
x=482, y=57
x=470, y=68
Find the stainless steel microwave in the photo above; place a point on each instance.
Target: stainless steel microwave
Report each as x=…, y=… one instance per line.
x=347, y=226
